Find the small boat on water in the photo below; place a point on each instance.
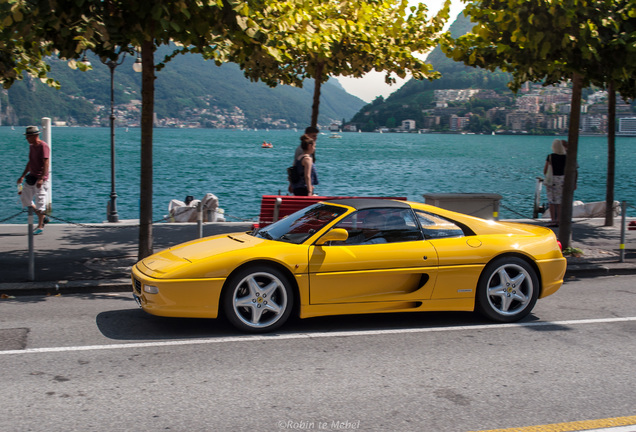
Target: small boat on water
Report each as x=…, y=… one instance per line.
x=267, y=145
x=335, y=135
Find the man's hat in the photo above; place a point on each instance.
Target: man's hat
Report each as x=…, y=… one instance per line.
x=32, y=130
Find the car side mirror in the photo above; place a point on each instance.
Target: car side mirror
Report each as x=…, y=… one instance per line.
x=336, y=234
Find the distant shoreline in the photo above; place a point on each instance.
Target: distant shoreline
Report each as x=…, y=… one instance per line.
x=325, y=131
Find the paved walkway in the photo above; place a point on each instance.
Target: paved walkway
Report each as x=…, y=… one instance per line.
x=87, y=257
x=98, y=257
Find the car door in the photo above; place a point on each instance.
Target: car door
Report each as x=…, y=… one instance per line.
x=460, y=256
x=385, y=259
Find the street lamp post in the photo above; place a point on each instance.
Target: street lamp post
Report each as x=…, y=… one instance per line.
x=112, y=207
x=111, y=213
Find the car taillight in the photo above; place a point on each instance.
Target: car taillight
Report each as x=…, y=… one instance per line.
x=560, y=245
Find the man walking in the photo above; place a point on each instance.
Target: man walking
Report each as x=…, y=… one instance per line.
x=36, y=176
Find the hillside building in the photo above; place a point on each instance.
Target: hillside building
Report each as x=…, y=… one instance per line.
x=408, y=125
x=431, y=121
x=458, y=123
x=530, y=103
x=558, y=122
x=593, y=123
x=454, y=95
x=350, y=128
x=524, y=121
x=627, y=126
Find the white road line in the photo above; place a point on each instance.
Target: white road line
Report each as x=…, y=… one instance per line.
x=292, y=336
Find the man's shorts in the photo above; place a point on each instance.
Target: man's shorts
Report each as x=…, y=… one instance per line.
x=41, y=195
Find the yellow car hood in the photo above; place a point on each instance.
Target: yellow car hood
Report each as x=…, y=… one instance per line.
x=175, y=257
x=203, y=248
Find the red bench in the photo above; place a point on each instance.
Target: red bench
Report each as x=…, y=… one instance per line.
x=275, y=207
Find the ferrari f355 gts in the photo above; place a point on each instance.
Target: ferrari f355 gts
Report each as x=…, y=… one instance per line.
x=355, y=256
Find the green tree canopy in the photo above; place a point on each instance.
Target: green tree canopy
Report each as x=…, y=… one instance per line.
x=548, y=41
x=318, y=39
x=32, y=29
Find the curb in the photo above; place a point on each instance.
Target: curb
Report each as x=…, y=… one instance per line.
x=124, y=284
x=587, y=271
x=594, y=270
x=66, y=287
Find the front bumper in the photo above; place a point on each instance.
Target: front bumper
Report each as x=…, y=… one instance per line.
x=185, y=298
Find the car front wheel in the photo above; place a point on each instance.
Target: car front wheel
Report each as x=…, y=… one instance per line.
x=508, y=290
x=258, y=299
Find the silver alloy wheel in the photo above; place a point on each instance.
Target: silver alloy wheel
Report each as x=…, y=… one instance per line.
x=260, y=300
x=510, y=289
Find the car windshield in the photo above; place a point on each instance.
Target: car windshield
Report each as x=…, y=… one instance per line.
x=299, y=226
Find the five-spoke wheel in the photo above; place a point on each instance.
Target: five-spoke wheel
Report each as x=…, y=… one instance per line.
x=508, y=290
x=258, y=299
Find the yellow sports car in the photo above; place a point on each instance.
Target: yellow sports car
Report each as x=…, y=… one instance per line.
x=355, y=256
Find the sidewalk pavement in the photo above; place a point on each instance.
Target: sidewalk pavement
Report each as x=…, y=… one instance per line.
x=86, y=257
x=98, y=257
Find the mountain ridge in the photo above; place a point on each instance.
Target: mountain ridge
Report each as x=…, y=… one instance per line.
x=411, y=100
x=189, y=90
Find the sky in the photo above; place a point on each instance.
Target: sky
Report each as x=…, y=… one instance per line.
x=372, y=84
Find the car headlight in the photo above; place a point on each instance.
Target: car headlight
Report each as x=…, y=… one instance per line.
x=151, y=289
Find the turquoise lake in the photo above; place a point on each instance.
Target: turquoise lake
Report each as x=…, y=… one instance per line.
x=233, y=166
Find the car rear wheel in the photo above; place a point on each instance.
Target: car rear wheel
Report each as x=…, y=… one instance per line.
x=508, y=290
x=258, y=299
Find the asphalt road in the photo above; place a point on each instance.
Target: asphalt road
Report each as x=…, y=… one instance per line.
x=97, y=363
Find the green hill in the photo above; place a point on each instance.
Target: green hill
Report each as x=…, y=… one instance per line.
x=414, y=96
x=188, y=89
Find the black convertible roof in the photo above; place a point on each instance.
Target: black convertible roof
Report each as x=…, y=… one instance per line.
x=369, y=203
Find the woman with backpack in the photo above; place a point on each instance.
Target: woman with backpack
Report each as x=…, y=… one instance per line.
x=305, y=169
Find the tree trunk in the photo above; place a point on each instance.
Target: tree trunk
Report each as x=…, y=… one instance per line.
x=611, y=155
x=147, y=110
x=565, y=218
x=315, y=106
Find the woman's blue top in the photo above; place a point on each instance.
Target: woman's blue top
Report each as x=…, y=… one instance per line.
x=300, y=169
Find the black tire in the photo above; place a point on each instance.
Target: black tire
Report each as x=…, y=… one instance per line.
x=508, y=290
x=258, y=299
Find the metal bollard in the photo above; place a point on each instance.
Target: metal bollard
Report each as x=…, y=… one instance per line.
x=623, y=224
x=537, y=198
x=279, y=201
x=200, y=218
x=31, y=248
